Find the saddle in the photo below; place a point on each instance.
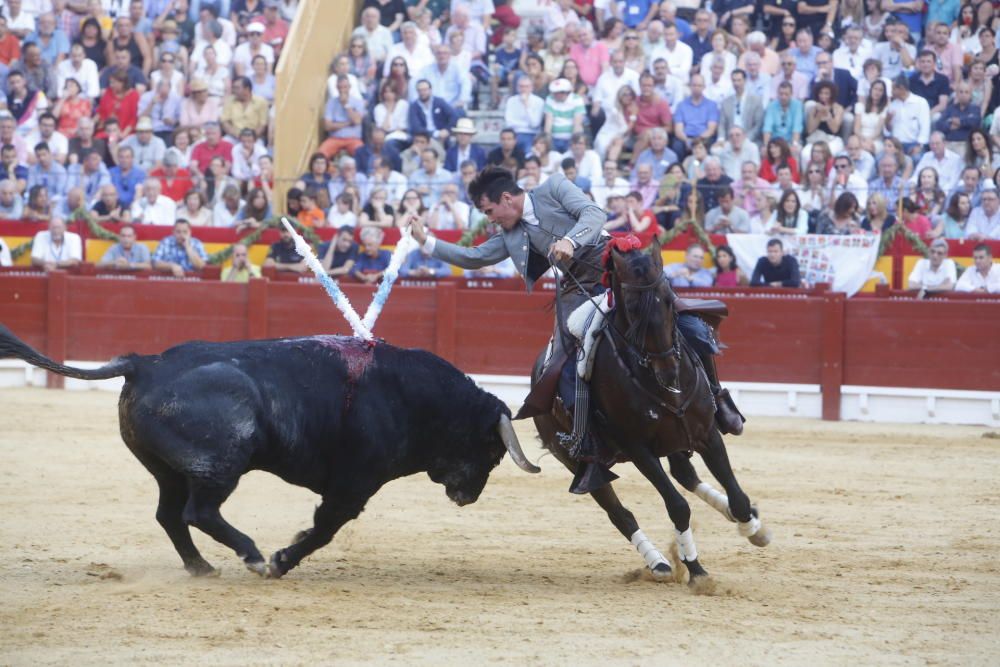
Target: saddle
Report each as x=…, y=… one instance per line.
x=712, y=311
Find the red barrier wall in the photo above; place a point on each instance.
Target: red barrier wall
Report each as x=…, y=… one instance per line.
x=773, y=335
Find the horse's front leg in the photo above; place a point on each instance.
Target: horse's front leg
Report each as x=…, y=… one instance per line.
x=677, y=508
x=738, y=504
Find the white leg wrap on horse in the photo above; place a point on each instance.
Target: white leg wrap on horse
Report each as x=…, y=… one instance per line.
x=685, y=545
x=714, y=498
x=749, y=528
x=647, y=550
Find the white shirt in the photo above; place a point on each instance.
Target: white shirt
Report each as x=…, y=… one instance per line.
x=982, y=224
x=5, y=259
x=603, y=191
x=246, y=167
x=86, y=76
x=161, y=212
x=58, y=144
x=679, y=60
x=379, y=41
x=222, y=217
x=223, y=53
x=720, y=90
x=608, y=84
x=925, y=276
x=911, y=120
x=243, y=56
x=524, y=118
x=972, y=280
x=42, y=247
x=856, y=185
x=852, y=62
x=176, y=81
x=892, y=60
x=331, y=86
x=949, y=169
x=589, y=166
x=416, y=60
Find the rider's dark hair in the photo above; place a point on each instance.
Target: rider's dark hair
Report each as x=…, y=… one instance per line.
x=775, y=242
x=492, y=182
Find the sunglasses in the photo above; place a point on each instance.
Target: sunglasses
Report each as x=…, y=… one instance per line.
x=631, y=37
x=815, y=171
x=788, y=24
x=843, y=166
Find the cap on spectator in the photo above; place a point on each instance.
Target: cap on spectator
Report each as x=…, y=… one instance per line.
x=464, y=126
x=170, y=159
x=272, y=4
x=169, y=26
x=256, y=26
x=199, y=86
x=561, y=86
x=145, y=124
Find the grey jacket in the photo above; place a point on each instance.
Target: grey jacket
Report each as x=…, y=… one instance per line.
x=563, y=211
x=753, y=117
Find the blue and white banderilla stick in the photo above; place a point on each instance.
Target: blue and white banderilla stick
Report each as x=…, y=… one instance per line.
x=340, y=299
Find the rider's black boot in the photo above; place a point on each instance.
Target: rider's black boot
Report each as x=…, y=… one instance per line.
x=727, y=415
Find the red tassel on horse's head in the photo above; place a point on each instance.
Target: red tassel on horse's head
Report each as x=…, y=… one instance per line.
x=621, y=244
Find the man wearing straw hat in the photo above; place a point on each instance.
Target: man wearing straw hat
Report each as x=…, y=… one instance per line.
x=463, y=149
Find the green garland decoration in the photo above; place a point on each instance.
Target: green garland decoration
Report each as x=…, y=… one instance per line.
x=470, y=235
x=889, y=235
x=20, y=250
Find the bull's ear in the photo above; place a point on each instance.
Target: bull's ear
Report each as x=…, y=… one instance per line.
x=656, y=254
x=621, y=265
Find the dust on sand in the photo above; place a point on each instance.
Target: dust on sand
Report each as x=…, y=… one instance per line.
x=885, y=552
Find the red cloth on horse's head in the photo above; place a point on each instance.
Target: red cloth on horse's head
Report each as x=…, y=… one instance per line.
x=621, y=244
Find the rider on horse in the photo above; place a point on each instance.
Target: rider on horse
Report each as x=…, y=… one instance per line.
x=557, y=223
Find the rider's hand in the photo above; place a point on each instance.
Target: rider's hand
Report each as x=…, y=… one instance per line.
x=561, y=250
x=417, y=229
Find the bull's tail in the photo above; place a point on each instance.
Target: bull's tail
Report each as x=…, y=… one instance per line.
x=12, y=347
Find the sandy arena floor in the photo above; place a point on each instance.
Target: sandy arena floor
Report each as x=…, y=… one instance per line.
x=885, y=553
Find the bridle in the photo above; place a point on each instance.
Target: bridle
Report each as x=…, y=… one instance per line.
x=634, y=338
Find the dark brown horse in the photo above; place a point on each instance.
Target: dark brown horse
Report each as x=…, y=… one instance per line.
x=639, y=413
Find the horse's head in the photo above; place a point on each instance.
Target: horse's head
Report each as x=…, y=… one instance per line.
x=645, y=306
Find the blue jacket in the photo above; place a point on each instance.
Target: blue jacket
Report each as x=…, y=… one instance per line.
x=444, y=116
x=847, y=89
x=476, y=154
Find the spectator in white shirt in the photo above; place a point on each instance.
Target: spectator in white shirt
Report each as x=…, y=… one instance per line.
x=524, y=113
x=984, y=221
x=78, y=66
x=678, y=55
x=376, y=35
x=56, y=248
x=228, y=207
x=254, y=46
x=909, y=117
x=605, y=91
x=946, y=163
x=5, y=258
x=983, y=275
x=246, y=154
x=853, y=53
x=46, y=132
x=153, y=208
x=417, y=55
x=936, y=273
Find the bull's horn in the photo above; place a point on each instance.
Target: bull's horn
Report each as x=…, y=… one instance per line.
x=509, y=438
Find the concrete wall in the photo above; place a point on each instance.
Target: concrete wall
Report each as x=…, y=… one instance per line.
x=320, y=31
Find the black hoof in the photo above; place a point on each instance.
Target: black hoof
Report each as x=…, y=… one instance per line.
x=278, y=566
x=201, y=569
x=695, y=569
x=662, y=572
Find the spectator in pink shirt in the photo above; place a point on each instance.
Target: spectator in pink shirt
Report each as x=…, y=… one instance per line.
x=591, y=56
x=747, y=186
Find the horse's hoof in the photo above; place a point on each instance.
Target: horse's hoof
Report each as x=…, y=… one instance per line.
x=258, y=567
x=276, y=568
x=761, y=538
x=661, y=572
x=702, y=584
x=202, y=569
x=301, y=535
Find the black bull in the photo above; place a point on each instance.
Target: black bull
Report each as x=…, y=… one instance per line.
x=336, y=415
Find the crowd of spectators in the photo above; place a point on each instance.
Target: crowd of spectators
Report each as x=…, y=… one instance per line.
x=747, y=116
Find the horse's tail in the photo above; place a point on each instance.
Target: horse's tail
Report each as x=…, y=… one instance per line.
x=12, y=347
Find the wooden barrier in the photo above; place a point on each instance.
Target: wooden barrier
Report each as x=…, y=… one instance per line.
x=485, y=326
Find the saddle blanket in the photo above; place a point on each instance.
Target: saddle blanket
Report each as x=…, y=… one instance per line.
x=586, y=323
